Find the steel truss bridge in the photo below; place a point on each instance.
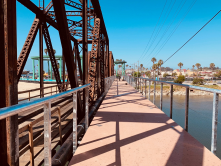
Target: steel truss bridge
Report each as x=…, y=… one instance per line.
x=79, y=29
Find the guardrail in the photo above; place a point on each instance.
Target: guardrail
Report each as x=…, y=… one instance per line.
x=46, y=102
x=65, y=85
x=138, y=85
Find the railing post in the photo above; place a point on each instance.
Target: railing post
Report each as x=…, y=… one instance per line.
x=171, y=100
x=74, y=122
x=138, y=83
x=149, y=90
x=214, y=123
x=51, y=90
x=29, y=96
x=145, y=89
x=86, y=109
x=47, y=134
x=117, y=86
x=161, y=96
x=187, y=109
x=59, y=120
x=31, y=144
x=154, y=92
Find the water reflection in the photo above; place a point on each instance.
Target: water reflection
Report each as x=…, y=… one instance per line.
x=200, y=117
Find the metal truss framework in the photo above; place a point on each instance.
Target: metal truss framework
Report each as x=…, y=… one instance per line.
x=78, y=27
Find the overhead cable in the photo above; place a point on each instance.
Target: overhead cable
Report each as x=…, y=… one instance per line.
x=193, y=36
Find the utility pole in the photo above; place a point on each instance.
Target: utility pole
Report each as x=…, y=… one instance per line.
x=138, y=68
x=138, y=74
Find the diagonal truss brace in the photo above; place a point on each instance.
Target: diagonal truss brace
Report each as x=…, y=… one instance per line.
x=51, y=55
x=22, y=59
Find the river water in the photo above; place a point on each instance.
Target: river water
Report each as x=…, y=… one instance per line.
x=200, y=117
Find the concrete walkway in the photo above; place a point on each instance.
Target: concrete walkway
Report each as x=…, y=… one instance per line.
x=129, y=130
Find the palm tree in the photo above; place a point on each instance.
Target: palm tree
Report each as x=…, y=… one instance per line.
x=46, y=51
x=212, y=65
x=154, y=67
x=193, y=67
x=180, y=65
x=141, y=66
x=153, y=60
x=160, y=63
x=158, y=67
x=198, y=66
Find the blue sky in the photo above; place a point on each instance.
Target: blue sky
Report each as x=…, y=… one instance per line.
x=130, y=25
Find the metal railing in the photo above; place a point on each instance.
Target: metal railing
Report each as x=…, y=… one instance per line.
x=46, y=103
x=137, y=83
x=65, y=87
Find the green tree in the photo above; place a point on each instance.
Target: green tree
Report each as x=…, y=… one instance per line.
x=212, y=65
x=154, y=67
x=165, y=75
x=198, y=65
x=141, y=67
x=180, y=65
x=174, y=74
x=136, y=74
x=160, y=62
x=148, y=74
x=153, y=60
x=46, y=51
x=180, y=79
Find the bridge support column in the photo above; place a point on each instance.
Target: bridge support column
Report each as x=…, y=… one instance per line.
x=41, y=61
x=9, y=143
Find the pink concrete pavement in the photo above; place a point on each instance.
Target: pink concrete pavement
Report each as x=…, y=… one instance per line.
x=129, y=130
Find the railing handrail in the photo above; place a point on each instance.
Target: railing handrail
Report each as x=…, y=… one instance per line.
x=18, y=108
x=184, y=85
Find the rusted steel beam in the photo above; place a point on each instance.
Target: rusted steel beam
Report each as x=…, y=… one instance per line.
x=9, y=154
x=93, y=59
x=73, y=4
x=97, y=10
x=102, y=67
x=98, y=71
x=41, y=59
x=68, y=13
x=85, y=54
x=22, y=59
x=62, y=26
x=110, y=62
x=31, y=6
x=63, y=65
x=51, y=55
x=65, y=41
x=78, y=60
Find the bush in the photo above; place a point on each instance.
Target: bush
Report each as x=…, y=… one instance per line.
x=165, y=75
x=180, y=79
x=198, y=81
x=136, y=74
